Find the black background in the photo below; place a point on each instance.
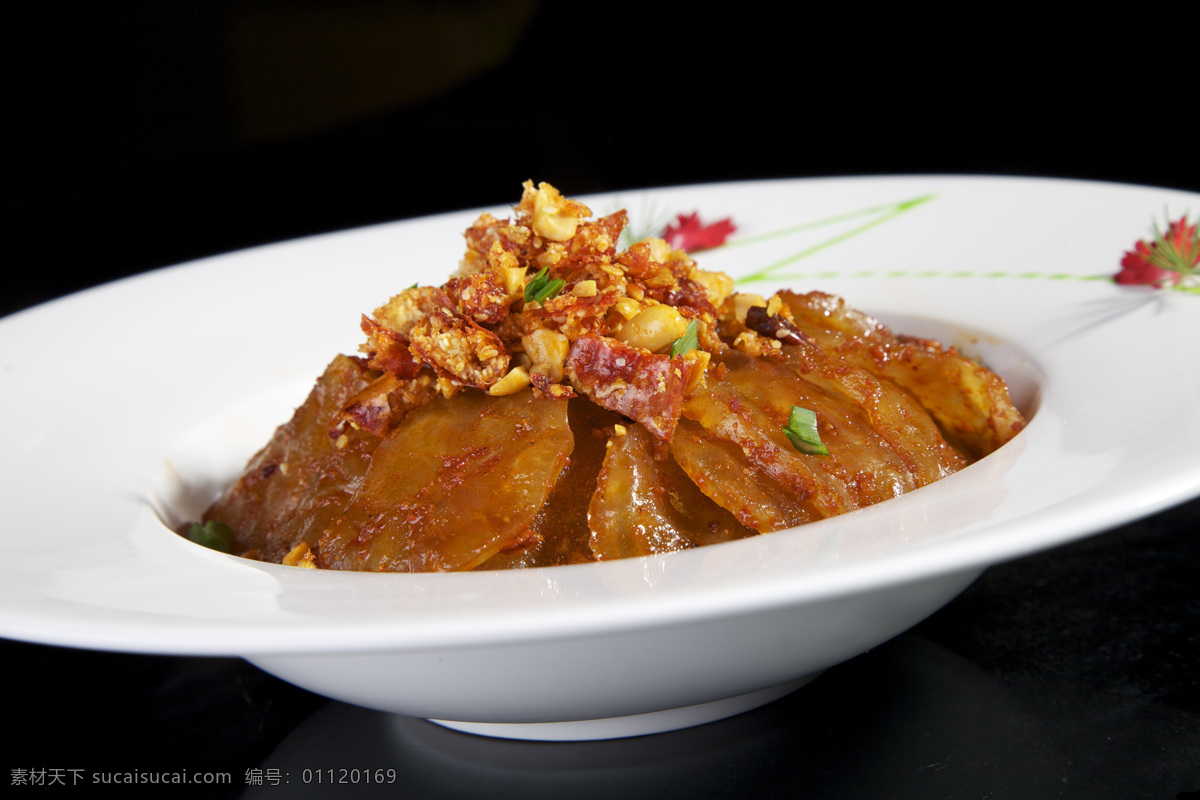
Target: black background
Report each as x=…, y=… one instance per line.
x=146, y=134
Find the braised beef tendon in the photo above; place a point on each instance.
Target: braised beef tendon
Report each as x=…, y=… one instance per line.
x=455, y=483
x=562, y=523
x=721, y=469
x=969, y=402
x=893, y=412
x=557, y=401
x=645, y=504
x=303, y=479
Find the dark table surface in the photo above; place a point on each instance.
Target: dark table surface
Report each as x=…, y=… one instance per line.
x=1070, y=673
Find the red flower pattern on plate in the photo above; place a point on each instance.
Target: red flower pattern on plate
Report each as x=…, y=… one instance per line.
x=688, y=233
x=1165, y=261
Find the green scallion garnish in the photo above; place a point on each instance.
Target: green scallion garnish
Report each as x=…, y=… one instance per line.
x=687, y=342
x=213, y=535
x=542, y=287
x=801, y=430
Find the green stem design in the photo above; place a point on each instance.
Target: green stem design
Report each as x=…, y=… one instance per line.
x=886, y=212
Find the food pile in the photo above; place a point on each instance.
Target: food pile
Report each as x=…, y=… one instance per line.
x=560, y=401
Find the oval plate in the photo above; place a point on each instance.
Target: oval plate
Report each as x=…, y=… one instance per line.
x=131, y=404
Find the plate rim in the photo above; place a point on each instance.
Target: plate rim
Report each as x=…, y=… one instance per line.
x=953, y=554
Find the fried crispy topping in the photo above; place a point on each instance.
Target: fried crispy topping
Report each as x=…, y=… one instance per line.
x=409, y=307
x=605, y=333
x=459, y=350
x=554, y=217
x=644, y=386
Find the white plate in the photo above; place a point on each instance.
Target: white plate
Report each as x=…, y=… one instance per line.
x=133, y=402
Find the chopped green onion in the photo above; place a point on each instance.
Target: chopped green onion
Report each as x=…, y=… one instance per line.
x=213, y=535
x=542, y=288
x=686, y=342
x=801, y=430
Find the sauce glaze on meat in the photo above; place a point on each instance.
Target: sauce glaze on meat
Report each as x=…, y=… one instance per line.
x=478, y=429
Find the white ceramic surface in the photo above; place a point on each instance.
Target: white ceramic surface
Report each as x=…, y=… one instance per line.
x=130, y=404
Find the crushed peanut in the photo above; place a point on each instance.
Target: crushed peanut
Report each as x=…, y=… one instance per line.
x=300, y=556
x=516, y=380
